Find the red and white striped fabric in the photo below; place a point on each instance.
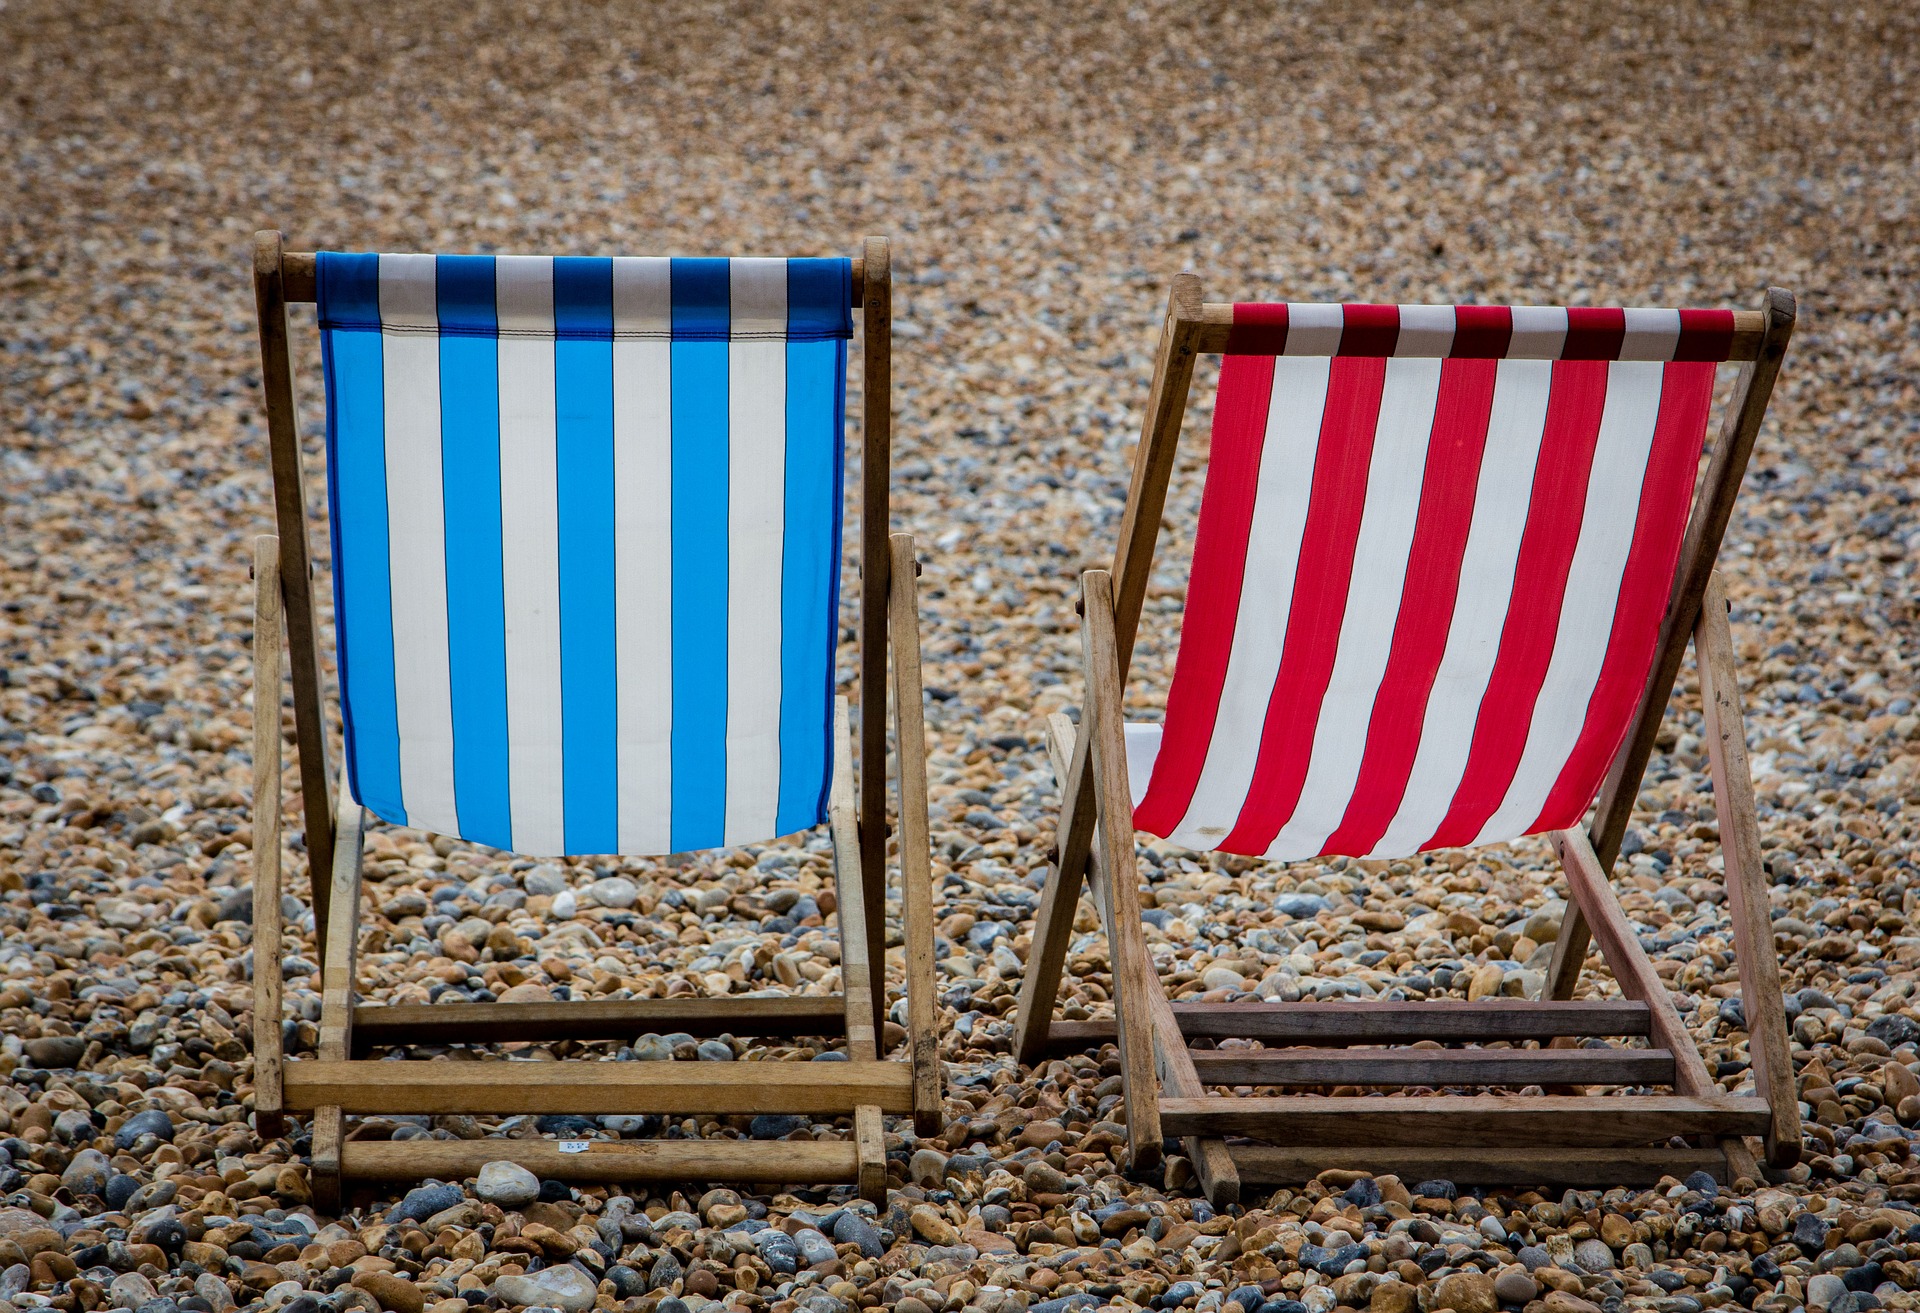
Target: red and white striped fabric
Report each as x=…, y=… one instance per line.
x=1434, y=550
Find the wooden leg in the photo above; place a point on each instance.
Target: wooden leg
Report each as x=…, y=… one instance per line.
x=871, y=1147
x=1053, y=924
x=336, y=992
x=856, y=975
x=1212, y=1163
x=916, y=875
x=1757, y=958
x=1126, y=944
x=268, y=1117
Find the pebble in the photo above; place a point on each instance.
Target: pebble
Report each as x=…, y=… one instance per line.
x=564, y=1287
x=507, y=1184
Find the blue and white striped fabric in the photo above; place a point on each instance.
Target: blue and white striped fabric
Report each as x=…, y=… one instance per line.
x=586, y=527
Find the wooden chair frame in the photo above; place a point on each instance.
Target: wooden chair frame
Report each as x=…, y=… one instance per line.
x=1487, y=1139
x=341, y=1080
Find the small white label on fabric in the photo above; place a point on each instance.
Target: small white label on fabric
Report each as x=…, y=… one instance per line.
x=573, y=1146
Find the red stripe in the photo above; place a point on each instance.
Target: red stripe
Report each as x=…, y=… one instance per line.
x=1369, y=330
x=1258, y=329
x=1319, y=601
x=1554, y=513
x=1426, y=603
x=1213, y=589
x=1704, y=335
x=1686, y=396
x=1481, y=332
x=1594, y=333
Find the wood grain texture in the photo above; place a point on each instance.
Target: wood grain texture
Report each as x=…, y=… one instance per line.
x=870, y=1148
x=743, y=1088
x=1630, y=965
x=1386, y=1023
x=1214, y=320
x=856, y=969
x=916, y=870
x=1699, y=548
x=1134, y=982
x=1433, y=1066
x=609, y=1161
x=1756, y=956
x=376, y=1026
x=296, y=571
x=336, y=997
x=876, y=473
x=1562, y=1166
x=268, y=1118
x=1132, y=567
x=1475, y=1119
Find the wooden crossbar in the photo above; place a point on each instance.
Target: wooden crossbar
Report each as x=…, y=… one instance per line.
x=1384, y=1023
x=598, y=1087
x=1266, y=1164
x=1214, y=319
x=1612, y=1120
x=299, y=269
x=509, y=1023
x=1434, y=1067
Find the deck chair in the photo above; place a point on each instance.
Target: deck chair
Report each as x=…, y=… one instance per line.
x=1447, y=562
x=585, y=519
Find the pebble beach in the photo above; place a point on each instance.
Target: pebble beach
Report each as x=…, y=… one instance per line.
x=1043, y=172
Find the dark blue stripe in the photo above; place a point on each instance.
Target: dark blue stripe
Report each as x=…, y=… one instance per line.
x=810, y=577
x=819, y=299
x=349, y=292
x=583, y=413
x=476, y=595
x=701, y=305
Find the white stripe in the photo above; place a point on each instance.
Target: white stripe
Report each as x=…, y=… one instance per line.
x=1501, y=499
x=1539, y=332
x=417, y=541
x=1313, y=328
x=1651, y=335
x=756, y=539
x=1593, y=591
x=1266, y=593
x=1425, y=330
x=1143, y=748
x=1394, y=477
x=643, y=549
x=530, y=524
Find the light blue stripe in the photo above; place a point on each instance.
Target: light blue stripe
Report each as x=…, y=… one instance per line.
x=583, y=413
x=700, y=580
x=816, y=374
x=476, y=600
x=357, y=492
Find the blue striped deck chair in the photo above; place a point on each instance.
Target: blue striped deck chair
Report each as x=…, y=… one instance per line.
x=584, y=517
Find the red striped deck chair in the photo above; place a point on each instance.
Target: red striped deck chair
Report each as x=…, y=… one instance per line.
x=1447, y=563
x=585, y=526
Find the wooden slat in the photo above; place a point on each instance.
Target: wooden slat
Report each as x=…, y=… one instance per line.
x=1215, y=318
x=876, y=470
x=856, y=968
x=296, y=571
x=300, y=268
x=1628, y=960
x=916, y=871
x=336, y=995
x=1434, y=1066
x=1580, y=1168
x=600, y=1087
x=870, y=1146
x=1212, y=1164
x=1384, y=1023
x=1747, y=902
x=1134, y=982
x=622, y=1019
x=267, y=1011
x=1706, y=526
x=1132, y=567
x=1477, y=1119
x=608, y=1161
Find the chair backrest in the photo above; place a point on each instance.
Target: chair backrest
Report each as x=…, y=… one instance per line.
x=586, y=543
x=1435, y=547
